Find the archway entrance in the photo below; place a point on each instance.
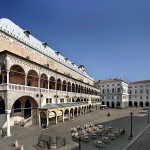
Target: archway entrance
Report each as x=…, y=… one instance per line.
x=130, y=103
x=118, y=104
x=2, y=107
x=27, y=110
x=108, y=104
x=141, y=104
x=135, y=104
x=112, y=104
x=103, y=103
x=147, y=104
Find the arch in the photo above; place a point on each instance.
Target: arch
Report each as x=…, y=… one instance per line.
x=59, y=84
x=44, y=81
x=108, y=104
x=146, y=104
x=32, y=78
x=69, y=87
x=78, y=99
x=130, y=103
x=79, y=89
x=71, y=112
x=17, y=106
x=52, y=83
x=85, y=99
x=17, y=75
x=75, y=111
x=103, y=103
x=141, y=104
x=60, y=115
x=135, y=104
x=73, y=100
x=27, y=110
x=64, y=86
x=73, y=87
x=43, y=118
x=2, y=106
x=112, y=104
x=118, y=104
x=66, y=113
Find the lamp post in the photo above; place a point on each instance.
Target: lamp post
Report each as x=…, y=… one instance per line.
x=131, y=135
x=148, y=117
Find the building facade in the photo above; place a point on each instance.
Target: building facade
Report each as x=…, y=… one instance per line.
x=114, y=92
x=139, y=93
x=35, y=80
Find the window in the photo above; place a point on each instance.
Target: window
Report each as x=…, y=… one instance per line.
x=117, y=97
x=141, y=91
x=112, y=97
x=113, y=90
x=147, y=91
x=147, y=85
x=135, y=91
x=135, y=86
x=48, y=100
x=146, y=97
x=112, y=84
x=103, y=91
x=61, y=100
x=141, y=97
x=141, y=86
x=107, y=90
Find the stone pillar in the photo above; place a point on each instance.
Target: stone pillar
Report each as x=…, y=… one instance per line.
x=25, y=81
x=7, y=76
x=69, y=115
x=8, y=122
x=56, y=119
x=48, y=85
x=63, y=117
x=39, y=120
x=77, y=112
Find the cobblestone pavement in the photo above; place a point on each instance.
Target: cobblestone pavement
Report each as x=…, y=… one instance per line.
x=119, y=118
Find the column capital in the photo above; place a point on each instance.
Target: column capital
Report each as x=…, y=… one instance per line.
x=8, y=111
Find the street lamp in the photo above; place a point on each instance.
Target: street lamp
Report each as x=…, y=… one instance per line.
x=79, y=133
x=148, y=117
x=131, y=135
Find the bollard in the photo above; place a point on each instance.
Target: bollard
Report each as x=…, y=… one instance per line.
x=16, y=143
x=21, y=147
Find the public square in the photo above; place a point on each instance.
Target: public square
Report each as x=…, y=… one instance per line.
x=119, y=118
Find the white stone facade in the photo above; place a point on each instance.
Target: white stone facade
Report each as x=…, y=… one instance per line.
x=139, y=93
x=113, y=92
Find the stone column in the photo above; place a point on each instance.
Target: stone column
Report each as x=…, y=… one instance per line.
x=39, y=120
x=7, y=76
x=63, y=117
x=8, y=122
x=56, y=119
x=69, y=115
x=48, y=84
x=25, y=81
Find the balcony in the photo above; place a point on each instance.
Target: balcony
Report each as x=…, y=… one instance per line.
x=17, y=87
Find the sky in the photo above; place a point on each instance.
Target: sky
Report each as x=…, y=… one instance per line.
x=111, y=38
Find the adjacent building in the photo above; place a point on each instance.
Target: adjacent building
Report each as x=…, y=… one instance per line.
x=113, y=92
x=38, y=84
x=139, y=93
